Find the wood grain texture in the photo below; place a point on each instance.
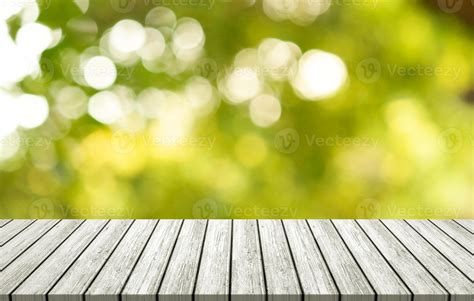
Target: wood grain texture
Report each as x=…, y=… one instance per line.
x=413, y=274
x=80, y=275
x=25, y=264
x=23, y=240
x=180, y=276
x=150, y=269
x=112, y=278
x=457, y=232
x=213, y=280
x=35, y=287
x=281, y=277
x=3, y=222
x=315, y=277
x=350, y=280
x=451, y=278
x=11, y=229
x=468, y=224
x=445, y=245
x=384, y=280
x=247, y=281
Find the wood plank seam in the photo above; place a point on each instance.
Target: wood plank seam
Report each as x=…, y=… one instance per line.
x=14, y=235
x=324, y=260
x=138, y=258
x=262, y=259
x=455, y=240
x=468, y=230
x=293, y=261
x=44, y=259
x=230, y=257
x=437, y=249
x=106, y=260
x=386, y=260
x=416, y=258
x=77, y=257
x=200, y=258
x=355, y=260
x=169, y=259
x=29, y=246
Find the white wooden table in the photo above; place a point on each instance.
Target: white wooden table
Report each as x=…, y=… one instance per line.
x=236, y=259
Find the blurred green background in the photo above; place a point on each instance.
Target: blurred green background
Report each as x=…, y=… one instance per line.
x=395, y=141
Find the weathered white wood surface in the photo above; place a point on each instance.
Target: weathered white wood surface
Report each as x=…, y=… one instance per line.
x=167, y=260
x=458, y=285
x=3, y=222
x=457, y=232
x=467, y=224
x=11, y=229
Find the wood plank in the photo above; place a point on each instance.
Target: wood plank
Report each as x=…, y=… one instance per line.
x=36, y=286
x=23, y=240
x=384, y=280
x=11, y=229
x=247, y=281
x=414, y=275
x=451, y=278
x=24, y=265
x=446, y=246
x=112, y=278
x=150, y=269
x=180, y=276
x=350, y=280
x=74, y=283
x=3, y=222
x=468, y=224
x=213, y=280
x=281, y=277
x=315, y=277
x=456, y=232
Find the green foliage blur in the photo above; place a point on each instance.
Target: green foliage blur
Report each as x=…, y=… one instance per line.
x=397, y=146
